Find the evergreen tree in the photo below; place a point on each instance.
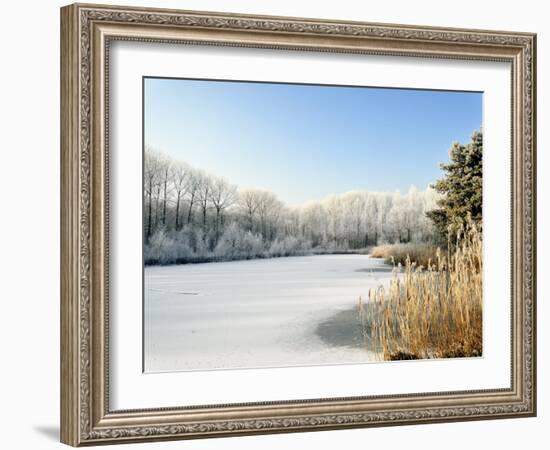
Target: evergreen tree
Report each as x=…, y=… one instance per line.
x=461, y=187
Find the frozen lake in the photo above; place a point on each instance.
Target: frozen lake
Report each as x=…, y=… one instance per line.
x=258, y=313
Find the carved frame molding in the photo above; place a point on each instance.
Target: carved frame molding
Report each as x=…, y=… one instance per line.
x=86, y=32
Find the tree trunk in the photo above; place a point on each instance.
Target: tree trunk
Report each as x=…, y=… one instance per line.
x=164, y=200
x=155, y=222
x=264, y=230
x=149, y=224
x=251, y=221
x=190, y=213
x=217, y=227
x=178, y=211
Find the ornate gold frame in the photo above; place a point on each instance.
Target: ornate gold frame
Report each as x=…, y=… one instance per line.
x=86, y=31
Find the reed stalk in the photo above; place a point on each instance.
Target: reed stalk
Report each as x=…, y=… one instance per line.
x=432, y=311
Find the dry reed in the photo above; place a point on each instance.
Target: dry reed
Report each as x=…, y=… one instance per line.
x=420, y=254
x=433, y=311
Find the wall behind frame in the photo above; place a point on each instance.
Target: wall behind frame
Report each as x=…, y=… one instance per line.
x=29, y=221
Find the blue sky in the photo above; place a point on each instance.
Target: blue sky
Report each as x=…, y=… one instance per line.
x=304, y=142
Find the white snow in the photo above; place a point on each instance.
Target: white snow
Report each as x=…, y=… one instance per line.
x=257, y=313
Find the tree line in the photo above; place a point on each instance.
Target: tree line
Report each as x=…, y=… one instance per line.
x=191, y=215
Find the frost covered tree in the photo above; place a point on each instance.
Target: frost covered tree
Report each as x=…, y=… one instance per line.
x=249, y=201
x=164, y=171
x=193, y=189
x=237, y=243
x=150, y=182
x=222, y=196
x=203, y=217
x=269, y=208
x=204, y=188
x=181, y=174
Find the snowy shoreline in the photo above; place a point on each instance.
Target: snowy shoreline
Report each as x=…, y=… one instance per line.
x=214, y=259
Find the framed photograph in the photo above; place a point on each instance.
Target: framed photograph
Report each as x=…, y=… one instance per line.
x=275, y=224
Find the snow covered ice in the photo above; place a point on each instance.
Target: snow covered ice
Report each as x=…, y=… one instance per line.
x=255, y=313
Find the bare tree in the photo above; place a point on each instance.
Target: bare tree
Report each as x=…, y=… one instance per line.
x=313, y=222
x=203, y=194
x=354, y=210
x=150, y=180
x=269, y=208
x=413, y=212
x=194, y=181
x=181, y=174
x=371, y=214
x=249, y=200
x=222, y=196
x=165, y=165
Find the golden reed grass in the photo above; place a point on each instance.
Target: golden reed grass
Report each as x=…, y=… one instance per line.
x=421, y=254
x=432, y=311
